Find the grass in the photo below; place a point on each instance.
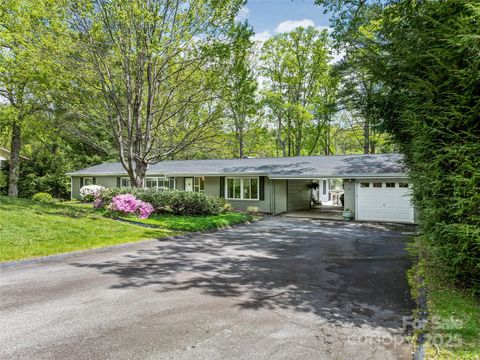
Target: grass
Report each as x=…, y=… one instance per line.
x=29, y=229
x=454, y=314
x=194, y=223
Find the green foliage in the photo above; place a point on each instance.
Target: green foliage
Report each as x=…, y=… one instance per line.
x=42, y=197
x=446, y=305
x=172, y=201
x=31, y=229
x=195, y=223
x=422, y=62
x=299, y=91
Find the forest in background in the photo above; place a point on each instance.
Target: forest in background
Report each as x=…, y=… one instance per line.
x=83, y=82
x=79, y=86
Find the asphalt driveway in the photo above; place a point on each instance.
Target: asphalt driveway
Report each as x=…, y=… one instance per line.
x=277, y=289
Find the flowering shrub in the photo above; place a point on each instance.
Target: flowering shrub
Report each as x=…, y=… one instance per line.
x=170, y=201
x=129, y=204
x=89, y=192
x=145, y=209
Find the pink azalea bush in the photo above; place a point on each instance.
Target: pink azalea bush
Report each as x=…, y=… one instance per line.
x=129, y=204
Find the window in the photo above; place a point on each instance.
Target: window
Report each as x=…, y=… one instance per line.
x=88, y=181
x=403, y=184
x=125, y=182
x=390, y=184
x=377, y=184
x=172, y=183
x=242, y=188
x=324, y=187
x=364, y=184
x=151, y=183
x=199, y=184
x=161, y=183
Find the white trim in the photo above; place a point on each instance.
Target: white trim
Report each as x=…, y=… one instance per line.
x=303, y=177
x=90, y=178
x=127, y=178
x=241, y=187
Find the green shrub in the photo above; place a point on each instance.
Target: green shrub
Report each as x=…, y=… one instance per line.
x=172, y=201
x=42, y=197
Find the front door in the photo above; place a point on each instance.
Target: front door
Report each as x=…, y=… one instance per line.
x=188, y=184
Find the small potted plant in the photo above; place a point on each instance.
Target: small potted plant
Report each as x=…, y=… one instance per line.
x=347, y=214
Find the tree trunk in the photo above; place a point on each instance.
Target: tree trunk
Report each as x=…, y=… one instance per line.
x=240, y=143
x=14, y=170
x=366, y=137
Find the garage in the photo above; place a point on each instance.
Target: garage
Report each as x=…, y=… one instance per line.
x=384, y=200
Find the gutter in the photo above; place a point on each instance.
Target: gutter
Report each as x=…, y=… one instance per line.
x=273, y=177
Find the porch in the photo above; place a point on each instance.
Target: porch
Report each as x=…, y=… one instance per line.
x=324, y=212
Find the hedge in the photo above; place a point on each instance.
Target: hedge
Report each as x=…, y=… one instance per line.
x=172, y=201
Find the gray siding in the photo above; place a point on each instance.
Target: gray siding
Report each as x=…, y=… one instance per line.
x=275, y=192
x=278, y=197
x=75, y=187
x=349, y=194
x=298, y=195
x=212, y=185
x=106, y=181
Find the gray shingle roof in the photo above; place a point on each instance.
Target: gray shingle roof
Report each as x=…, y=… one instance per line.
x=346, y=166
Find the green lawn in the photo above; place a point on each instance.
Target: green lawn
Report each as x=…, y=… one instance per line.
x=194, y=223
x=454, y=314
x=29, y=229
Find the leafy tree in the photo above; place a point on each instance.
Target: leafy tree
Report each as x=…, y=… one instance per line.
x=295, y=66
x=239, y=92
x=155, y=67
x=425, y=61
x=29, y=35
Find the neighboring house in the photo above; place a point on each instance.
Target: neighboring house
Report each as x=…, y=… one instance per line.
x=375, y=186
x=5, y=157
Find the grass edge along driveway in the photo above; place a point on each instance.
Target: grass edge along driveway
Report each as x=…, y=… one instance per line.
x=29, y=229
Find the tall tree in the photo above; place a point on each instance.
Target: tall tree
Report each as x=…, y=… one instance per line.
x=295, y=65
x=239, y=92
x=155, y=67
x=29, y=36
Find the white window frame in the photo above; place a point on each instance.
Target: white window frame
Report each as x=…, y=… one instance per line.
x=241, y=187
x=88, y=178
x=150, y=178
x=163, y=179
x=125, y=178
x=197, y=181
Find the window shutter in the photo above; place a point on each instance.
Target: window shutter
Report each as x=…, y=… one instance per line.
x=262, y=188
x=222, y=186
x=94, y=180
x=81, y=182
x=118, y=182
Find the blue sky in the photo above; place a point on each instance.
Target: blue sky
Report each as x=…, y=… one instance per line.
x=270, y=16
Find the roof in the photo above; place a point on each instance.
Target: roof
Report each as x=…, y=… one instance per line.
x=341, y=166
x=5, y=154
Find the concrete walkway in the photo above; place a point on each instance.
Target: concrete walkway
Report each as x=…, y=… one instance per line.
x=277, y=289
x=325, y=212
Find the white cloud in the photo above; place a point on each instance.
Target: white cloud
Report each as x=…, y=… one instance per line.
x=243, y=13
x=328, y=28
x=289, y=25
x=262, y=36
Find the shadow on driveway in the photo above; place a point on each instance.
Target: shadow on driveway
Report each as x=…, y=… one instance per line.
x=347, y=273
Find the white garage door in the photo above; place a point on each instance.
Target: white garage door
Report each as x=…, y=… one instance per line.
x=387, y=200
